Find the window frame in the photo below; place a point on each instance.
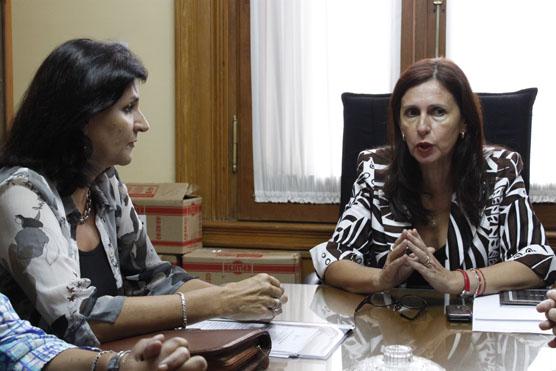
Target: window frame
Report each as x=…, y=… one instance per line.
x=417, y=42
x=208, y=55
x=248, y=209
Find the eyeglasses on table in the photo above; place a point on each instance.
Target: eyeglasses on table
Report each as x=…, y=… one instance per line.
x=409, y=306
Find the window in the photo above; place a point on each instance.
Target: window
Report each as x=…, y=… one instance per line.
x=213, y=83
x=304, y=55
x=508, y=52
x=417, y=30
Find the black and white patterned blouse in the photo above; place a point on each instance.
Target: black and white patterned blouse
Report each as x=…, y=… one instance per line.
x=508, y=228
x=39, y=257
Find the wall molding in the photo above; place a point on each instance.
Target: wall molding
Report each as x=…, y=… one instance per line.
x=264, y=235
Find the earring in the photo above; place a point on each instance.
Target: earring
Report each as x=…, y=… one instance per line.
x=403, y=136
x=462, y=134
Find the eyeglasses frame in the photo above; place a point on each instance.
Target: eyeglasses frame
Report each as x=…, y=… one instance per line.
x=396, y=304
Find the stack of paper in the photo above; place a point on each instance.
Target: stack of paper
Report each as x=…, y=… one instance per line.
x=490, y=316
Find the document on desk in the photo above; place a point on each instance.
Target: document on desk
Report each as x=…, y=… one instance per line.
x=291, y=339
x=490, y=316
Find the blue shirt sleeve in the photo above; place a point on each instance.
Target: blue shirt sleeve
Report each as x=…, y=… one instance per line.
x=22, y=346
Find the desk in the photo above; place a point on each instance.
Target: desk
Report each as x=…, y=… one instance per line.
x=453, y=346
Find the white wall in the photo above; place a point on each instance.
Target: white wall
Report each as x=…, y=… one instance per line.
x=147, y=26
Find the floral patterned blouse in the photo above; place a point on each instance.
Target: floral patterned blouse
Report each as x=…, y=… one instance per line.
x=39, y=257
x=508, y=228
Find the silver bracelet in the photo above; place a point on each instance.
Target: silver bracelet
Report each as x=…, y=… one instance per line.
x=97, y=357
x=478, y=282
x=115, y=362
x=183, y=308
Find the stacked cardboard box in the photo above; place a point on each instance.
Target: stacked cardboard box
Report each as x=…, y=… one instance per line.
x=172, y=215
x=229, y=265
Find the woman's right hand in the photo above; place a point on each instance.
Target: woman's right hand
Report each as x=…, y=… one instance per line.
x=395, y=270
x=548, y=306
x=256, y=298
x=158, y=354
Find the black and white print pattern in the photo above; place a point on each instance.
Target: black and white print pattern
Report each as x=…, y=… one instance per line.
x=508, y=228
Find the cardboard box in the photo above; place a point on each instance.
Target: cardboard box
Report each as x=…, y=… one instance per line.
x=172, y=215
x=229, y=265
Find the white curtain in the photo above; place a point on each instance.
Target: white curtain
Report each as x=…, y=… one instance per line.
x=304, y=54
x=507, y=45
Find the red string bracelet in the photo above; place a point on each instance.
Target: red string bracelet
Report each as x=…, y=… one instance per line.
x=466, y=284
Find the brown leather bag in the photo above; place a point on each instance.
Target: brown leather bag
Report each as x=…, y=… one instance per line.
x=223, y=349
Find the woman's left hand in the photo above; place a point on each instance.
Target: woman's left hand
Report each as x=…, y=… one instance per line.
x=395, y=270
x=423, y=261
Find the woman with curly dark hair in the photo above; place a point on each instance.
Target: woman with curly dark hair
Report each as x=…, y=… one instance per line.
x=437, y=207
x=74, y=257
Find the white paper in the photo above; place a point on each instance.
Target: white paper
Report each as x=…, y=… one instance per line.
x=489, y=307
x=226, y=325
x=291, y=339
x=285, y=341
x=544, y=360
x=528, y=327
x=490, y=316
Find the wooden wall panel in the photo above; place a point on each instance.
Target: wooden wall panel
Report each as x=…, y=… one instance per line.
x=206, y=63
x=418, y=31
x=284, y=236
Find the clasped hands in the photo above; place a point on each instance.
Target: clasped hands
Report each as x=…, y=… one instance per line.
x=408, y=253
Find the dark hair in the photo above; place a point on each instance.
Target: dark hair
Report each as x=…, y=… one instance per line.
x=403, y=185
x=79, y=79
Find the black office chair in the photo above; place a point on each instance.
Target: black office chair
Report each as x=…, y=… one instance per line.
x=507, y=122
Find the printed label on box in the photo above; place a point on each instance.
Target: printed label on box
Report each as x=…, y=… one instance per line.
x=230, y=265
x=142, y=191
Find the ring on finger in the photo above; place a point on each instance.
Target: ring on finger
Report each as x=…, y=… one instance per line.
x=428, y=262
